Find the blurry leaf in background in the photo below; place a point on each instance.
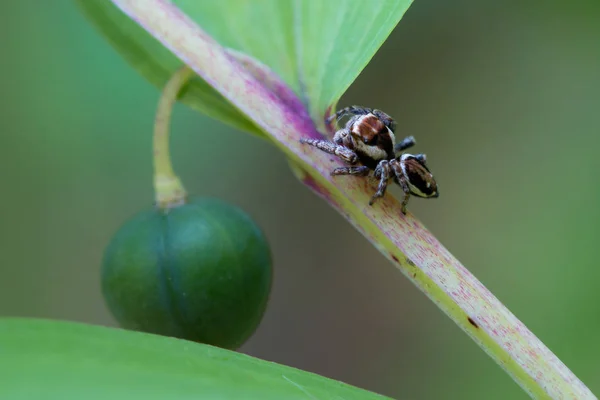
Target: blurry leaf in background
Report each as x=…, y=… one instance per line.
x=65, y=360
x=317, y=48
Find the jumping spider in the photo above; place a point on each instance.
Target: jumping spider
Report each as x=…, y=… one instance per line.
x=368, y=138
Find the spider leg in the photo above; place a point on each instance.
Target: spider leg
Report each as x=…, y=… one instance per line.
x=352, y=110
x=406, y=191
x=360, y=171
x=332, y=148
x=350, y=123
x=344, y=138
x=383, y=173
x=401, y=180
x=387, y=120
x=406, y=143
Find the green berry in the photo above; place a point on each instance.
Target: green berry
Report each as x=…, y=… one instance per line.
x=201, y=271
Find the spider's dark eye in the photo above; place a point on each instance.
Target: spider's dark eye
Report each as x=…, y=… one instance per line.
x=371, y=140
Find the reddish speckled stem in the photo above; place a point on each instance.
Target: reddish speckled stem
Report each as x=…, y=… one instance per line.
x=403, y=239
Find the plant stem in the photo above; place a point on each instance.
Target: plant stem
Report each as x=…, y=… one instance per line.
x=169, y=191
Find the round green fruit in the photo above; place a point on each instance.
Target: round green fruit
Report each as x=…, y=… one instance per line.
x=201, y=271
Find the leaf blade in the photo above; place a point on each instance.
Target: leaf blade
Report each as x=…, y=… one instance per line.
x=317, y=48
x=358, y=28
x=58, y=360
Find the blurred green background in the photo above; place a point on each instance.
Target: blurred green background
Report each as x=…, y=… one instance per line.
x=504, y=97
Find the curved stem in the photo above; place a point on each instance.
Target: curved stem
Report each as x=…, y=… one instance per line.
x=169, y=192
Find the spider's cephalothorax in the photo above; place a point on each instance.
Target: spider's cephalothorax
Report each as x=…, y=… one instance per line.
x=368, y=138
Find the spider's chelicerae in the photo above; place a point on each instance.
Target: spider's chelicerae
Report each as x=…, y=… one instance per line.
x=368, y=139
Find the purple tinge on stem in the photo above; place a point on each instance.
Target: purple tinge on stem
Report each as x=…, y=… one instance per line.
x=279, y=89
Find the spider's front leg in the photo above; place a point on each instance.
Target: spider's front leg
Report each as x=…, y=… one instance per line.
x=332, y=148
x=343, y=137
x=383, y=173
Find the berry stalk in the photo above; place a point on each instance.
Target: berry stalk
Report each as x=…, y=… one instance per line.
x=169, y=191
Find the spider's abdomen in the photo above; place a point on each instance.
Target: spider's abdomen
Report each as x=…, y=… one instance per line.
x=419, y=179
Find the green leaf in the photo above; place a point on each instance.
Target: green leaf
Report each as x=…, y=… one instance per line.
x=63, y=360
x=157, y=64
x=317, y=47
